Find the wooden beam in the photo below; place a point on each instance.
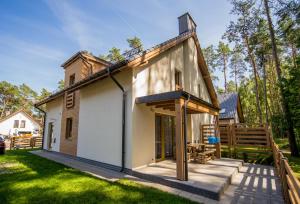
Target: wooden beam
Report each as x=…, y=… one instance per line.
x=160, y=103
x=201, y=108
x=218, y=145
x=180, y=165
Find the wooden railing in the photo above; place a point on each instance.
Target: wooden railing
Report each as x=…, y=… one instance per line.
x=289, y=182
x=25, y=142
x=237, y=136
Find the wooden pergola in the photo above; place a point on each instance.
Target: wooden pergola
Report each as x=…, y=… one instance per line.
x=182, y=103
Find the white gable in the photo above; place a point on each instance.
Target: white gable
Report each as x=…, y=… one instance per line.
x=7, y=126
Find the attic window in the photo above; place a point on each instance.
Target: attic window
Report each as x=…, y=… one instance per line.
x=72, y=80
x=222, y=110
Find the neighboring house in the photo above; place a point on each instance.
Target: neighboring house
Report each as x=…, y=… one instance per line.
x=132, y=113
x=231, y=108
x=17, y=123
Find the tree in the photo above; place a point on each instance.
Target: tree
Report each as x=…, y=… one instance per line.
x=286, y=110
x=44, y=94
x=115, y=55
x=240, y=32
x=8, y=97
x=61, y=84
x=210, y=59
x=135, y=43
x=223, y=54
x=237, y=65
x=231, y=87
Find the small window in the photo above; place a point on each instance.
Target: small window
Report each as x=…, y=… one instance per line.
x=69, y=128
x=178, y=82
x=199, y=91
x=16, y=124
x=23, y=124
x=72, y=80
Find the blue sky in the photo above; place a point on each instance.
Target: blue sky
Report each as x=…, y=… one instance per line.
x=37, y=36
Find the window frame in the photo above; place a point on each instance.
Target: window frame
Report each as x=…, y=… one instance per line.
x=178, y=79
x=69, y=128
x=23, y=124
x=72, y=79
x=16, y=124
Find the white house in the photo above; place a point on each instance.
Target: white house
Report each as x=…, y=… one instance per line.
x=17, y=123
x=134, y=112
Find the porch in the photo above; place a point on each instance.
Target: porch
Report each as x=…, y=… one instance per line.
x=180, y=104
x=209, y=180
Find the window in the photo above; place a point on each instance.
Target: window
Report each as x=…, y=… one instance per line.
x=23, y=124
x=199, y=91
x=72, y=80
x=69, y=128
x=178, y=82
x=16, y=124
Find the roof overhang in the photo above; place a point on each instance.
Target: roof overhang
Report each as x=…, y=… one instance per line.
x=167, y=101
x=87, y=56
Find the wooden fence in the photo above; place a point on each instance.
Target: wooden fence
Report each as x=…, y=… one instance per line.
x=239, y=137
x=239, y=140
x=289, y=183
x=25, y=142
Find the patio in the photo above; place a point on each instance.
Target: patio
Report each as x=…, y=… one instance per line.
x=209, y=180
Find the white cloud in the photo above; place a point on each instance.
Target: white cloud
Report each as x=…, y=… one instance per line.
x=78, y=25
x=29, y=48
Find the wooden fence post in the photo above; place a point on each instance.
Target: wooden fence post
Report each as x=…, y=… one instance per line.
x=284, y=184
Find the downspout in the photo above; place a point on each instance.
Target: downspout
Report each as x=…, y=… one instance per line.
x=185, y=137
x=123, y=116
x=44, y=123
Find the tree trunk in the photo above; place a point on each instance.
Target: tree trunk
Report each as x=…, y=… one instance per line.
x=224, y=71
x=255, y=78
x=286, y=110
x=265, y=92
x=235, y=78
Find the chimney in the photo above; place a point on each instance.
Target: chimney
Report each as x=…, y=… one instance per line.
x=186, y=23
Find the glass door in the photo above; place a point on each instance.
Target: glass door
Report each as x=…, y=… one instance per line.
x=164, y=137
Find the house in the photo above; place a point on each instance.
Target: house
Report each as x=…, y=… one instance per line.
x=231, y=108
x=18, y=123
x=141, y=110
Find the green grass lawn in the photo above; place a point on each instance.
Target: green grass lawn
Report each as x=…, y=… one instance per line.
x=26, y=178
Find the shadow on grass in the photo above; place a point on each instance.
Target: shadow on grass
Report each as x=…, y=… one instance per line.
x=44, y=181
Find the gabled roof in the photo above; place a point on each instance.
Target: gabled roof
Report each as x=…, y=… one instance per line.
x=138, y=59
x=85, y=55
x=20, y=111
x=229, y=103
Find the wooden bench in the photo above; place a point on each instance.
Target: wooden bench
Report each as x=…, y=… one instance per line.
x=203, y=157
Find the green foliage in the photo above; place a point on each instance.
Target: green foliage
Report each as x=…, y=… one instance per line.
x=26, y=178
x=13, y=98
x=135, y=43
x=114, y=55
x=61, y=84
x=210, y=57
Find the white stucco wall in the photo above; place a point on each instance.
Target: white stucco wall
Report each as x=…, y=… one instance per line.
x=7, y=126
x=100, y=121
x=54, y=113
x=158, y=76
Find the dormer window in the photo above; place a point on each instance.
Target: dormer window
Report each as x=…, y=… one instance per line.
x=72, y=80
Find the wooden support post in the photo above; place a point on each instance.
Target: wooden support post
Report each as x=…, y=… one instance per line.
x=218, y=145
x=180, y=165
x=284, y=184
